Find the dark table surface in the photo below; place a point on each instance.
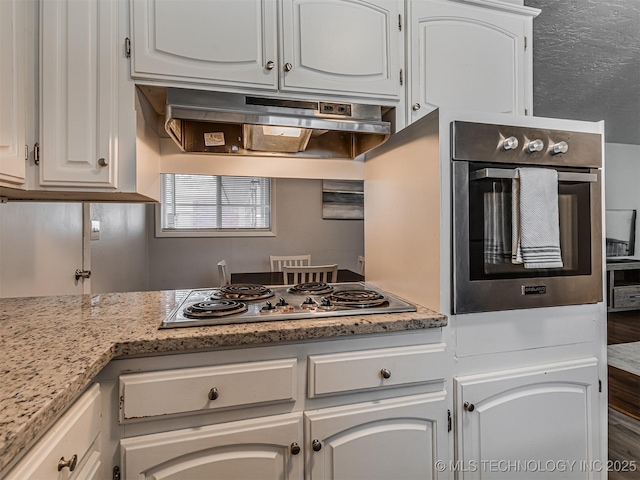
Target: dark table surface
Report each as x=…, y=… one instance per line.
x=275, y=278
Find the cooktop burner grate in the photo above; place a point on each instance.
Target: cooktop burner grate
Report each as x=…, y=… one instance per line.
x=214, y=309
x=310, y=288
x=244, y=291
x=356, y=298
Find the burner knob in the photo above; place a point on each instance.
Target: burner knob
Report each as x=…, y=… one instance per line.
x=268, y=307
x=325, y=302
x=309, y=301
x=282, y=303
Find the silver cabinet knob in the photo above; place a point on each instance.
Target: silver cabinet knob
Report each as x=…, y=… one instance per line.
x=469, y=407
x=535, y=146
x=560, y=147
x=288, y=67
x=295, y=448
x=415, y=107
x=70, y=464
x=103, y=162
x=213, y=393
x=269, y=65
x=385, y=373
x=316, y=445
x=510, y=143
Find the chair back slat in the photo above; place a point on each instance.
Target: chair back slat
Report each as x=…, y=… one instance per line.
x=309, y=273
x=279, y=261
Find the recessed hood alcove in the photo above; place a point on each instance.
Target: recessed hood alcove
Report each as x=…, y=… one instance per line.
x=240, y=124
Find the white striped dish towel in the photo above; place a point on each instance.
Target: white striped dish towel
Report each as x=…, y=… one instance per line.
x=535, y=219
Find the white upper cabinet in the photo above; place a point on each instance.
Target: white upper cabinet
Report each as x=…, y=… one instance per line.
x=12, y=92
x=79, y=95
x=345, y=47
x=226, y=42
x=469, y=54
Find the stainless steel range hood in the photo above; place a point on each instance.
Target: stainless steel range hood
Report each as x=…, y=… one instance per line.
x=239, y=124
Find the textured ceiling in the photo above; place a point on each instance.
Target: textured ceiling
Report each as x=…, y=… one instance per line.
x=586, y=63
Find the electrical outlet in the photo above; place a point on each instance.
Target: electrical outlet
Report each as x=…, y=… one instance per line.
x=95, y=230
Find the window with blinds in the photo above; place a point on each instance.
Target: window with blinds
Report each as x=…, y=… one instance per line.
x=215, y=204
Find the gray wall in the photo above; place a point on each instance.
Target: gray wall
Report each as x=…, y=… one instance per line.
x=622, y=180
x=191, y=262
x=119, y=257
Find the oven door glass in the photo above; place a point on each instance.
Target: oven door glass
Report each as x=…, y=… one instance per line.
x=490, y=228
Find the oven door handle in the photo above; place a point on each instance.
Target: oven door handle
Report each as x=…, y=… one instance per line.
x=508, y=173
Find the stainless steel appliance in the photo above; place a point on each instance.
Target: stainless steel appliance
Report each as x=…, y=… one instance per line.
x=244, y=303
x=238, y=124
x=484, y=159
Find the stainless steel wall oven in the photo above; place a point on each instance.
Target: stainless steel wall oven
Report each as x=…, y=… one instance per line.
x=487, y=163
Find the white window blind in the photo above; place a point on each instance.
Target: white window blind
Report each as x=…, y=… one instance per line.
x=215, y=203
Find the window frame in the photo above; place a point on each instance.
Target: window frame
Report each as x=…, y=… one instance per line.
x=204, y=233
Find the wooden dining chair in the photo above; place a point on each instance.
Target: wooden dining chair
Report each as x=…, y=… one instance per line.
x=223, y=273
x=360, y=268
x=279, y=261
x=309, y=273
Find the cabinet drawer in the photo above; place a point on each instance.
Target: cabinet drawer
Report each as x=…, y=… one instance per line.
x=380, y=368
x=206, y=388
x=74, y=434
x=626, y=296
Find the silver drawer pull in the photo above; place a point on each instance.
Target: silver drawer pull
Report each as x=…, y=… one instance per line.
x=385, y=373
x=71, y=463
x=213, y=393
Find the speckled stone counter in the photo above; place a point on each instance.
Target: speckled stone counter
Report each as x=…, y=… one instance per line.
x=52, y=347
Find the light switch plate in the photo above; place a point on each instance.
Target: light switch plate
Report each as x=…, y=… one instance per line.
x=95, y=230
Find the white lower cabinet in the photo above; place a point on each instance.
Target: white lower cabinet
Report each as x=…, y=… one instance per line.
x=265, y=448
x=529, y=422
x=400, y=438
x=70, y=450
x=313, y=412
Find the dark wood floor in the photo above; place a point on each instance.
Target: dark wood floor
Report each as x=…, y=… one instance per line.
x=623, y=327
x=624, y=400
x=624, y=446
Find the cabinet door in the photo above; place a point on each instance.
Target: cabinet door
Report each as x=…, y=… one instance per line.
x=225, y=42
x=79, y=94
x=12, y=92
x=344, y=47
x=529, y=418
x=399, y=438
x=74, y=436
x=468, y=56
x=249, y=449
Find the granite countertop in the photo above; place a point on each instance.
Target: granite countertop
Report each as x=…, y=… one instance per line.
x=52, y=347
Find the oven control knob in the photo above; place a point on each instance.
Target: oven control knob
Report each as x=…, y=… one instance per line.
x=535, y=146
x=560, y=147
x=510, y=143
